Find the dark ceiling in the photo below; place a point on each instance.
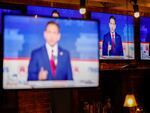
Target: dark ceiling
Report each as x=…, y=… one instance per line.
x=121, y=5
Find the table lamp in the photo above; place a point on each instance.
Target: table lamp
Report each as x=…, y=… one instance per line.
x=130, y=102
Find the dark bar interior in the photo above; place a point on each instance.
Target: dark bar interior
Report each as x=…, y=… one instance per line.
x=123, y=80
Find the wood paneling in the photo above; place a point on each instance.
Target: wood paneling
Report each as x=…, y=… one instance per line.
x=123, y=5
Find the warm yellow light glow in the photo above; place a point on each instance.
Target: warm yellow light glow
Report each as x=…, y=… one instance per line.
x=82, y=10
x=130, y=101
x=138, y=109
x=136, y=14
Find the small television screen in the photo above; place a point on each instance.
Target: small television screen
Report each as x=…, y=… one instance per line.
x=43, y=52
x=116, y=39
x=145, y=37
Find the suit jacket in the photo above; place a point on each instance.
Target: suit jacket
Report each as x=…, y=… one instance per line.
x=39, y=58
x=148, y=37
x=148, y=40
x=117, y=51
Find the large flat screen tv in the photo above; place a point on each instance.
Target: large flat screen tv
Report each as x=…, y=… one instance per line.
x=145, y=37
x=32, y=58
x=116, y=41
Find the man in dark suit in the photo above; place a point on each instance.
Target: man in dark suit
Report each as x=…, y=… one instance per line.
x=112, y=43
x=50, y=62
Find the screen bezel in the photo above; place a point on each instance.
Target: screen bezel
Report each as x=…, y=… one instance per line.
x=109, y=61
x=143, y=61
x=27, y=15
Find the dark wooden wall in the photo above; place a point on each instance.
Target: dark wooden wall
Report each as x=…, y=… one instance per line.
x=117, y=83
x=114, y=84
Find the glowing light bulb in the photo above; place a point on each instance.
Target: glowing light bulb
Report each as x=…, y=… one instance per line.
x=130, y=101
x=82, y=10
x=136, y=14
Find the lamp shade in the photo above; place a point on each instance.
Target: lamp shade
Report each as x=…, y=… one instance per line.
x=130, y=101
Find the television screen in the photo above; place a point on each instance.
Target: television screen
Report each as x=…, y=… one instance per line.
x=145, y=38
x=42, y=52
x=116, y=39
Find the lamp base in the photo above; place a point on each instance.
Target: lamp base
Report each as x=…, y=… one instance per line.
x=132, y=109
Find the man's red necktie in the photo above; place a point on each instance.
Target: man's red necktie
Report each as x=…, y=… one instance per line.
x=52, y=63
x=113, y=41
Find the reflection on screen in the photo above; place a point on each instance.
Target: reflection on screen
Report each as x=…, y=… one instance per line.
x=121, y=28
x=24, y=34
x=47, y=11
